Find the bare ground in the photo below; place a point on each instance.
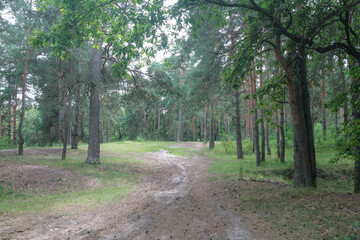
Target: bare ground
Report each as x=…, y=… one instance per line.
x=175, y=201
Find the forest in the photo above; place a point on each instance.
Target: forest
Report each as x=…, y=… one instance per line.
x=251, y=104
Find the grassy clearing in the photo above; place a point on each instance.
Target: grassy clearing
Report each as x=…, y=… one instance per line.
x=117, y=175
x=329, y=212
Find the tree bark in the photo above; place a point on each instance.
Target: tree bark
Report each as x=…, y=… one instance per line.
x=282, y=132
x=154, y=123
x=267, y=124
x=180, y=124
x=146, y=121
x=304, y=149
x=170, y=121
x=14, y=117
x=239, y=150
x=66, y=124
x=23, y=94
x=82, y=132
x=194, y=127
x=158, y=130
x=75, y=135
x=205, y=124
x=262, y=126
x=62, y=99
x=255, y=116
x=8, y=119
x=323, y=92
x=94, y=131
x=212, y=127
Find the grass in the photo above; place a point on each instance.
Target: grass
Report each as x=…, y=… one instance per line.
x=117, y=175
x=328, y=212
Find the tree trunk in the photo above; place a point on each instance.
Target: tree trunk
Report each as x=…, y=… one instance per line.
x=158, y=130
x=107, y=131
x=8, y=119
x=154, y=123
x=62, y=99
x=355, y=99
x=194, y=127
x=82, y=132
x=14, y=117
x=146, y=121
x=205, y=124
x=262, y=126
x=212, y=127
x=304, y=149
x=219, y=123
x=66, y=124
x=200, y=130
x=180, y=124
x=22, y=115
x=256, y=128
x=170, y=121
x=239, y=150
x=323, y=92
x=94, y=131
x=343, y=87
x=75, y=135
x=312, y=104
x=282, y=147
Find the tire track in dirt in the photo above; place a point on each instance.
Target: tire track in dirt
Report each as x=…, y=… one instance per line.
x=174, y=202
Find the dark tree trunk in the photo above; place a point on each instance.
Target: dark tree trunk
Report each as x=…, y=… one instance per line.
x=267, y=140
x=75, y=136
x=62, y=99
x=304, y=149
x=323, y=92
x=194, y=128
x=355, y=99
x=239, y=150
x=158, y=130
x=170, y=121
x=14, y=117
x=66, y=123
x=146, y=121
x=180, y=124
x=262, y=126
x=107, y=131
x=212, y=127
x=282, y=147
x=82, y=126
x=256, y=146
x=205, y=124
x=8, y=119
x=23, y=93
x=200, y=131
x=343, y=87
x=94, y=131
x=154, y=123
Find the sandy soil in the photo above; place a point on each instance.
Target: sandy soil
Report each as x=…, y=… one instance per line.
x=175, y=201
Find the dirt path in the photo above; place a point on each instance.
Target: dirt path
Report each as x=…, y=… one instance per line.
x=175, y=202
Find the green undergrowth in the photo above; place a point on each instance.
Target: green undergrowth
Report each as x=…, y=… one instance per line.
x=328, y=212
x=114, y=178
x=332, y=175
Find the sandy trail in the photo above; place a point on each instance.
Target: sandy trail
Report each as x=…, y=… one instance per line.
x=176, y=202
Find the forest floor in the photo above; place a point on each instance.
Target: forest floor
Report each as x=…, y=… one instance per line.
x=173, y=196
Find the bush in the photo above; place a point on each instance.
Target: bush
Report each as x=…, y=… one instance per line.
x=6, y=143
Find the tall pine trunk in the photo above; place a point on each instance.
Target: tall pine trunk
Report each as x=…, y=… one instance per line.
x=94, y=129
x=323, y=92
x=170, y=121
x=239, y=150
x=255, y=122
x=262, y=126
x=14, y=116
x=158, y=130
x=75, y=135
x=282, y=132
x=304, y=149
x=23, y=93
x=212, y=125
x=154, y=123
x=267, y=124
x=205, y=124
